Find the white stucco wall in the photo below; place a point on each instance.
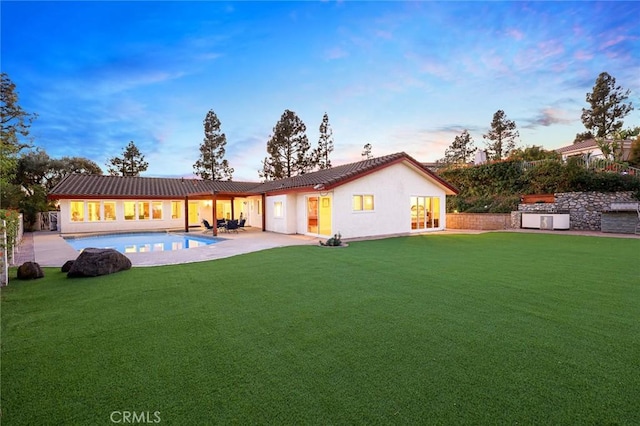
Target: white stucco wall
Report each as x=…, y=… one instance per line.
x=392, y=188
x=67, y=226
x=285, y=224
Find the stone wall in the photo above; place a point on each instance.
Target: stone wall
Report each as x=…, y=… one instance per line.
x=585, y=208
x=483, y=221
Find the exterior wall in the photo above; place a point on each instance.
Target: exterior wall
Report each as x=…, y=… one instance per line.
x=253, y=211
x=286, y=223
x=67, y=226
x=392, y=188
x=483, y=221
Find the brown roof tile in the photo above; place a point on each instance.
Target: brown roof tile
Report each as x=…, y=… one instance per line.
x=84, y=186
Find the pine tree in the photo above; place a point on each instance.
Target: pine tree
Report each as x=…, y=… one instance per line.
x=288, y=149
x=212, y=165
x=607, y=107
x=131, y=164
x=502, y=135
x=325, y=145
x=461, y=149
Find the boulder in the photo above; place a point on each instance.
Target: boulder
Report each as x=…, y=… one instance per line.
x=96, y=261
x=30, y=271
x=67, y=266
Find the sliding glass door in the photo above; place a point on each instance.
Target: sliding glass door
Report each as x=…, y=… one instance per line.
x=425, y=212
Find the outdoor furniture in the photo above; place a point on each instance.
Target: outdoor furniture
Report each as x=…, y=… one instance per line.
x=241, y=224
x=220, y=223
x=232, y=226
x=206, y=224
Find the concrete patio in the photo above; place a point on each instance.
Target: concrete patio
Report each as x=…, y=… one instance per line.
x=50, y=249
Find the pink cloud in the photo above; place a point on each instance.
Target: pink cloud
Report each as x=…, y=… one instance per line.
x=516, y=34
x=613, y=41
x=336, y=53
x=581, y=55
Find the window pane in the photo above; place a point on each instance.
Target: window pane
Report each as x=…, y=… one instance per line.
x=129, y=210
x=109, y=211
x=357, y=202
x=368, y=202
x=143, y=210
x=277, y=209
x=176, y=208
x=77, y=211
x=157, y=209
x=93, y=210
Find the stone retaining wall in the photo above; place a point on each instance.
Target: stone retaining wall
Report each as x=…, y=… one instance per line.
x=585, y=208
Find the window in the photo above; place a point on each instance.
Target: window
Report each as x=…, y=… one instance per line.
x=277, y=209
x=129, y=210
x=77, y=211
x=93, y=211
x=156, y=209
x=143, y=210
x=362, y=203
x=176, y=208
x=109, y=210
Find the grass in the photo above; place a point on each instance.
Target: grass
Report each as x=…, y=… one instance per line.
x=497, y=328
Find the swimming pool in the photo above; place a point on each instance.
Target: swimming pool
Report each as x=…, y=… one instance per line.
x=141, y=242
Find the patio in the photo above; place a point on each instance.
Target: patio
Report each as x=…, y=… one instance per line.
x=51, y=250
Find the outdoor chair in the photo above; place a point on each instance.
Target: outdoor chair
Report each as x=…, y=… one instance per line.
x=241, y=224
x=206, y=224
x=232, y=226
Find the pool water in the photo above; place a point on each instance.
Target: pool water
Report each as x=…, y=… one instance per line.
x=141, y=242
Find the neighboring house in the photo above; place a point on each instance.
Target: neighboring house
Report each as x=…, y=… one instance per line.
x=387, y=195
x=590, y=148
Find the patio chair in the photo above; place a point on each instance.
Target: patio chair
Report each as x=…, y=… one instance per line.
x=232, y=226
x=241, y=224
x=206, y=224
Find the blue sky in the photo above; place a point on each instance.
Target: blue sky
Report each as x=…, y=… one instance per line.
x=403, y=76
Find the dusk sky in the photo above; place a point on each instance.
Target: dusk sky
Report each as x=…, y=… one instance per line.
x=403, y=76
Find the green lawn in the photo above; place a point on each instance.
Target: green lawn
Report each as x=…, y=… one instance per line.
x=499, y=328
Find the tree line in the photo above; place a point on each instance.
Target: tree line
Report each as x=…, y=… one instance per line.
x=603, y=121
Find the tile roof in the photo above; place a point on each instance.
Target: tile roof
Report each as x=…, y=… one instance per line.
x=588, y=144
x=77, y=185
x=84, y=186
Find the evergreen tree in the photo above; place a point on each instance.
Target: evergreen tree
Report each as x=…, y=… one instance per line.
x=325, y=145
x=131, y=164
x=211, y=165
x=366, y=151
x=288, y=149
x=16, y=123
x=584, y=136
x=502, y=135
x=461, y=149
x=607, y=107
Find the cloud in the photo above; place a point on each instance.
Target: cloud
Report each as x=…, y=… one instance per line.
x=548, y=117
x=335, y=53
x=515, y=34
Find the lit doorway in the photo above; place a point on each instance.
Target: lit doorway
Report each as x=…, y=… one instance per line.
x=194, y=214
x=319, y=215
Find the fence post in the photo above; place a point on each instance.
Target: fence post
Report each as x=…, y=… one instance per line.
x=4, y=274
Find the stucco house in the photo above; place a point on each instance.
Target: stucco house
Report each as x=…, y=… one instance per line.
x=590, y=147
x=393, y=194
